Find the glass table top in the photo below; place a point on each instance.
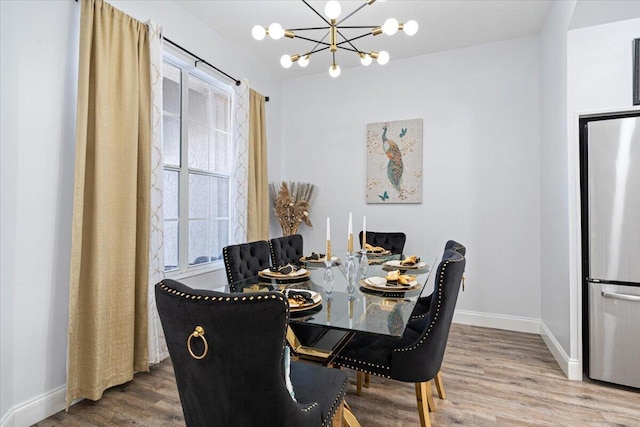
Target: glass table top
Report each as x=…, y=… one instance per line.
x=356, y=301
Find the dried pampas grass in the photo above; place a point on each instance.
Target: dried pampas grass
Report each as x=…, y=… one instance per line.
x=291, y=202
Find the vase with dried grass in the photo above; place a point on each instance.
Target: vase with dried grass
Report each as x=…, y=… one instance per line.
x=291, y=201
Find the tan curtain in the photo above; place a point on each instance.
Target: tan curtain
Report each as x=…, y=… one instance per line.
x=258, y=188
x=110, y=235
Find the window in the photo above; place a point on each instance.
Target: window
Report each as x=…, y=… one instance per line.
x=197, y=167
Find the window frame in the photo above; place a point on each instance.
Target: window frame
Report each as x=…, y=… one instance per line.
x=187, y=67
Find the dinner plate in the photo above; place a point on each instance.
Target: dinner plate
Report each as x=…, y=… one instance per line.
x=275, y=275
x=318, y=261
x=315, y=296
x=385, y=252
x=396, y=263
x=378, y=283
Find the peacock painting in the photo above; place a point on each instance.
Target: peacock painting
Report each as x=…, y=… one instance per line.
x=395, y=166
x=394, y=162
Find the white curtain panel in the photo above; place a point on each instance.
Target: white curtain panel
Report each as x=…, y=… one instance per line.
x=158, y=350
x=240, y=176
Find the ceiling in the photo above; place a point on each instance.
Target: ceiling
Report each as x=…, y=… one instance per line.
x=444, y=25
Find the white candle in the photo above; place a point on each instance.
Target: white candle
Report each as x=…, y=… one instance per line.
x=328, y=229
x=328, y=255
x=364, y=231
x=350, y=234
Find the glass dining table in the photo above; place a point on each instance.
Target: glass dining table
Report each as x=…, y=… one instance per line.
x=357, y=299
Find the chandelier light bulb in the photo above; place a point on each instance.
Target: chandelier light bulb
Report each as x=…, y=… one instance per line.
x=410, y=27
x=258, y=32
x=303, y=61
x=334, y=70
x=390, y=26
x=285, y=61
x=276, y=31
x=383, y=57
x=332, y=9
x=365, y=59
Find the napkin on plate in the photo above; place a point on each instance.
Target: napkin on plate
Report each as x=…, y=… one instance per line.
x=297, y=298
x=373, y=249
x=394, y=276
x=285, y=269
x=314, y=256
x=410, y=261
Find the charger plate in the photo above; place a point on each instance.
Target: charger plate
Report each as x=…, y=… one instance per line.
x=275, y=275
x=377, y=283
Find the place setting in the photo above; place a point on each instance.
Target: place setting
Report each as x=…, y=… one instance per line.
x=412, y=262
x=394, y=282
x=373, y=251
x=317, y=259
x=302, y=300
x=285, y=272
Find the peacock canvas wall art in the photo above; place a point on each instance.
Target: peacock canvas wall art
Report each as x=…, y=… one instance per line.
x=394, y=162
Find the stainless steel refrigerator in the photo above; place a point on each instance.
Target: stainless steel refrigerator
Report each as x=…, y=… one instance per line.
x=610, y=194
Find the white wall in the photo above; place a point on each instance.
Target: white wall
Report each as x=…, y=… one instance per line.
x=39, y=61
x=481, y=115
x=39, y=78
x=554, y=185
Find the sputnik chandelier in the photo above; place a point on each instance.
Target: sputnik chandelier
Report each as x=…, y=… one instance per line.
x=336, y=38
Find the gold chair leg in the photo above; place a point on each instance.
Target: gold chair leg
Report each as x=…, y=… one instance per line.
x=423, y=393
x=359, y=375
x=367, y=380
x=348, y=419
x=440, y=386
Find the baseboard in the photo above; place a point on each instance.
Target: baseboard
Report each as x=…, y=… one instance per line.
x=497, y=321
x=570, y=367
x=37, y=409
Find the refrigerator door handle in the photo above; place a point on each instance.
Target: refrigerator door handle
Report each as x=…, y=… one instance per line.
x=625, y=297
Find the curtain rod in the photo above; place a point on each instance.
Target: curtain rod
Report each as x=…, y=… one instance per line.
x=198, y=59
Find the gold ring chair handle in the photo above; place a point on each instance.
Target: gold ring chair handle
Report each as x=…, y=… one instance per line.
x=198, y=333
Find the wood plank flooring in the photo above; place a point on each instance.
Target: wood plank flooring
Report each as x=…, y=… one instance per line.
x=491, y=377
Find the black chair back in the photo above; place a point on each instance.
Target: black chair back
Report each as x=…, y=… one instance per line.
x=421, y=360
x=239, y=379
x=458, y=247
x=286, y=250
x=245, y=260
x=393, y=241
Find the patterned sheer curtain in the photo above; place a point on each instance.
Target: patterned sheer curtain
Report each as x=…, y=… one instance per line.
x=241, y=165
x=109, y=273
x=158, y=350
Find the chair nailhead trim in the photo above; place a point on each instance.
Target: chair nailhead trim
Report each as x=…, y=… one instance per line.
x=336, y=402
x=435, y=317
x=172, y=291
x=366, y=371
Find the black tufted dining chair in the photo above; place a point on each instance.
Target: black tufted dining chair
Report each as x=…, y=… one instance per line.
x=286, y=250
x=245, y=260
x=420, y=315
x=227, y=355
x=417, y=356
x=393, y=241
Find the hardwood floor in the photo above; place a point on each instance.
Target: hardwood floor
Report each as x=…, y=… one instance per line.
x=491, y=377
